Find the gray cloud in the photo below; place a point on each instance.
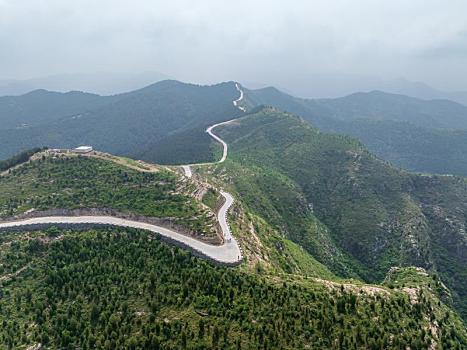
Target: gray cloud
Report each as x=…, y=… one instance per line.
x=284, y=43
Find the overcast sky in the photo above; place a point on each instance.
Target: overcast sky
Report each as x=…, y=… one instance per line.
x=280, y=42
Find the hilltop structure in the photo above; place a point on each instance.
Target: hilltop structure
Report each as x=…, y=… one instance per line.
x=83, y=149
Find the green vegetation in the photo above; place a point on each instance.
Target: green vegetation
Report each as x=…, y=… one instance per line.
x=138, y=124
x=41, y=106
x=87, y=182
x=412, y=147
x=212, y=198
x=268, y=251
x=18, y=159
x=124, y=289
x=419, y=135
x=355, y=214
x=316, y=214
x=416, y=277
x=378, y=105
x=285, y=213
x=185, y=147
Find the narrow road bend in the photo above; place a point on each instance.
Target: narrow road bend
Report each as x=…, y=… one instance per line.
x=227, y=253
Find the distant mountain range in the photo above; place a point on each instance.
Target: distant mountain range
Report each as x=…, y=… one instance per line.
x=356, y=214
x=41, y=106
x=137, y=124
x=420, y=135
x=102, y=83
x=326, y=85
x=165, y=122
x=87, y=287
x=332, y=85
x=311, y=198
x=421, y=90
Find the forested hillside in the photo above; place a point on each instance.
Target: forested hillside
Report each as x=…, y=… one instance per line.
x=116, y=288
x=77, y=182
x=134, y=124
x=124, y=289
x=40, y=106
x=378, y=105
x=420, y=135
x=412, y=147
x=20, y=158
x=353, y=212
x=165, y=123
x=316, y=214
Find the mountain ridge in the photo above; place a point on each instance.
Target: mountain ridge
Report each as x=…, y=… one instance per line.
x=406, y=136
x=278, y=160
x=375, y=214
x=132, y=123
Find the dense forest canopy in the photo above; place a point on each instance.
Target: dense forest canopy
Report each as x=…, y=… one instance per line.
x=133, y=124
x=312, y=209
x=421, y=135
x=122, y=289
x=329, y=194
x=73, y=182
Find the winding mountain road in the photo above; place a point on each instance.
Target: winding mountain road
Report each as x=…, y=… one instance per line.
x=227, y=253
x=229, y=240
x=217, y=138
x=238, y=100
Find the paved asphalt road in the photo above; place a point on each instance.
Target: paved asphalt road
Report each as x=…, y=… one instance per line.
x=229, y=252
